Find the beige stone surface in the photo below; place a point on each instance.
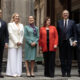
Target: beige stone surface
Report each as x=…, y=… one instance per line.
x=23, y=7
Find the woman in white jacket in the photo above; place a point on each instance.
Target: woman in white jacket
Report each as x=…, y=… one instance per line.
x=16, y=33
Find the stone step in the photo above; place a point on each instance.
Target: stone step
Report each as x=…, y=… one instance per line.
x=23, y=67
x=40, y=78
x=37, y=64
x=39, y=74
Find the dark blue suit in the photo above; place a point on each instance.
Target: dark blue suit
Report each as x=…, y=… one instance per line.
x=78, y=46
x=78, y=34
x=65, y=51
x=3, y=39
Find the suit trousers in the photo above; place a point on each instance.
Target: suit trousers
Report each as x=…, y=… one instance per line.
x=65, y=53
x=49, y=66
x=78, y=57
x=14, y=62
x=1, y=56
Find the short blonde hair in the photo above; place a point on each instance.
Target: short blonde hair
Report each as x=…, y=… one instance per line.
x=13, y=15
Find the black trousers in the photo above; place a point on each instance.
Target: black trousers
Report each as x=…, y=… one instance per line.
x=49, y=67
x=65, y=53
x=1, y=56
x=78, y=57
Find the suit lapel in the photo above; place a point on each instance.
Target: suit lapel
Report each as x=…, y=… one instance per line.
x=69, y=22
x=62, y=24
x=68, y=26
x=20, y=26
x=16, y=26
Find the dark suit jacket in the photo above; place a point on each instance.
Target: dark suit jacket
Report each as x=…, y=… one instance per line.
x=3, y=33
x=78, y=34
x=70, y=32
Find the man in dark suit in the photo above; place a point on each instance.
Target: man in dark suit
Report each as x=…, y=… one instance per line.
x=78, y=46
x=66, y=31
x=3, y=40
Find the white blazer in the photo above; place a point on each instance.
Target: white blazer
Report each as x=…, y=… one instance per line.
x=15, y=34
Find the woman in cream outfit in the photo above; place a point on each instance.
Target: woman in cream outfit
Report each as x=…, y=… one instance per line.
x=16, y=33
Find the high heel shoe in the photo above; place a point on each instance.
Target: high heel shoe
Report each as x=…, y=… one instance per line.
x=28, y=75
x=32, y=75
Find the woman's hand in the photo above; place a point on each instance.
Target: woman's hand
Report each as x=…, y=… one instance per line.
x=33, y=44
x=55, y=46
x=19, y=44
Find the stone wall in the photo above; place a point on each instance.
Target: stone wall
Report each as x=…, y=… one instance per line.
x=24, y=7
x=75, y=4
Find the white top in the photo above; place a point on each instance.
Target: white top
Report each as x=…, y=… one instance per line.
x=15, y=34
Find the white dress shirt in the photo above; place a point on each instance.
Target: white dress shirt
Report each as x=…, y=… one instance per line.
x=0, y=24
x=66, y=22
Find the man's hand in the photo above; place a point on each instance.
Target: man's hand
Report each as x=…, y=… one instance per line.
x=74, y=44
x=6, y=45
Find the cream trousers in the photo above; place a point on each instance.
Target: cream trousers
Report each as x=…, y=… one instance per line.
x=14, y=62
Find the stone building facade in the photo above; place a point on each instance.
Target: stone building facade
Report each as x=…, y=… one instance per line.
x=23, y=7
x=41, y=9
x=53, y=9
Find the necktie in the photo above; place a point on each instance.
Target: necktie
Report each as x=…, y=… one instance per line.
x=65, y=24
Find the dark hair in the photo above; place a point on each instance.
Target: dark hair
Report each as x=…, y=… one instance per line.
x=45, y=21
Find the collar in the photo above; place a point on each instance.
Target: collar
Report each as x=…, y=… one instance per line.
x=66, y=20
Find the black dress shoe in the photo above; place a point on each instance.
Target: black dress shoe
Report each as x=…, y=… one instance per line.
x=79, y=75
x=51, y=76
x=1, y=76
x=68, y=75
x=46, y=75
x=63, y=75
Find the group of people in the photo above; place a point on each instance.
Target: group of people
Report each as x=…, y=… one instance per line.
x=66, y=36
